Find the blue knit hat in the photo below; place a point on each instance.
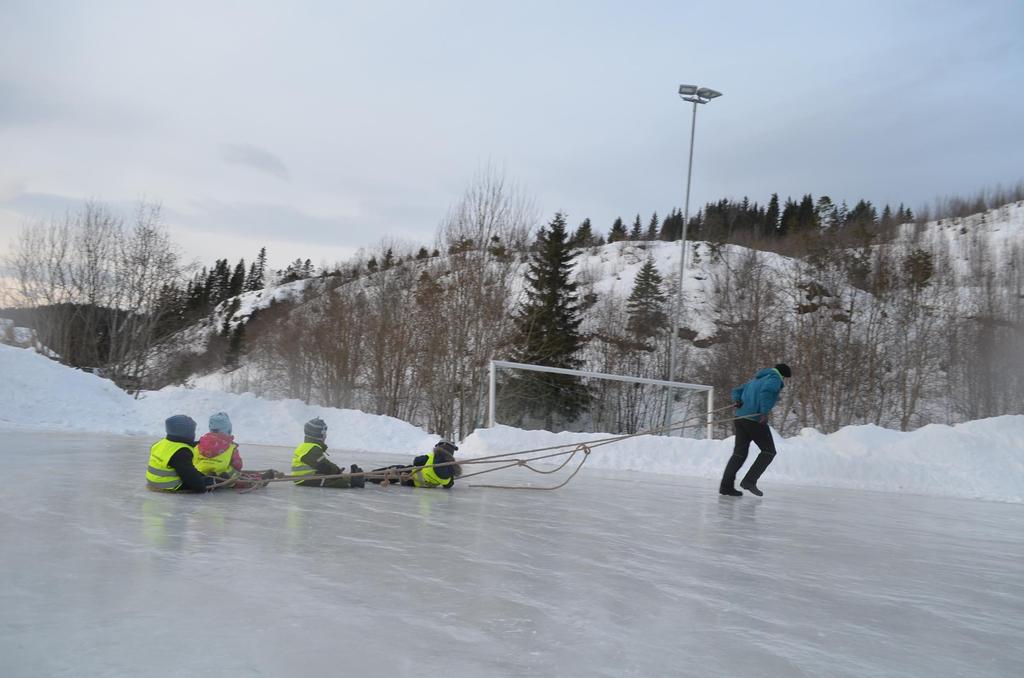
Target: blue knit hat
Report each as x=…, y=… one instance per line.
x=180, y=426
x=220, y=423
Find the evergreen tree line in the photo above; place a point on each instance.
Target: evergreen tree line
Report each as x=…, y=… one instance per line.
x=744, y=221
x=209, y=287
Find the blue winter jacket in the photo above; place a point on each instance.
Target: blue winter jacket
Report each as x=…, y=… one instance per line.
x=760, y=394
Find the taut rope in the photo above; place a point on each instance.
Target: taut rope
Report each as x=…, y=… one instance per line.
x=505, y=460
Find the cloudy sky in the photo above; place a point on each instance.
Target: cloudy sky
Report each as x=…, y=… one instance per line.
x=318, y=128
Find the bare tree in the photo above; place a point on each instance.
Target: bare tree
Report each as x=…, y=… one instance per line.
x=485, y=234
x=95, y=285
x=145, y=261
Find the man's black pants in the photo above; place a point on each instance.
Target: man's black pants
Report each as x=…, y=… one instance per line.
x=748, y=431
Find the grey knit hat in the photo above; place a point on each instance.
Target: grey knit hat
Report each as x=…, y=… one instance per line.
x=180, y=426
x=220, y=423
x=316, y=429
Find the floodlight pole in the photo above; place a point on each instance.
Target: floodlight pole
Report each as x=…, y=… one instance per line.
x=697, y=95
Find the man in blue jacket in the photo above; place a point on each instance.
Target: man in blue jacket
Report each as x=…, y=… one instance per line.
x=753, y=400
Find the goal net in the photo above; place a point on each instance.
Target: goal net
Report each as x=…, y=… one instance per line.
x=556, y=399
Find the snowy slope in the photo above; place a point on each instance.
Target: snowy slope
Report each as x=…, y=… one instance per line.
x=981, y=459
x=195, y=338
x=985, y=239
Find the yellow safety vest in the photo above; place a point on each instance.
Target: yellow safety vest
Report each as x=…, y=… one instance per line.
x=426, y=476
x=216, y=466
x=299, y=467
x=159, y=474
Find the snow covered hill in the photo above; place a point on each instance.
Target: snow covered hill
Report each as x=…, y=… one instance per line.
x=980, y=459
x=983, y=240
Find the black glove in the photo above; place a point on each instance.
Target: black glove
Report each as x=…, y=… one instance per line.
x=737, y=404
x=210, y=482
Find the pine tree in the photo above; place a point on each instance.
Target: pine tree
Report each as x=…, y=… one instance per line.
x=219, y=283
x=825, y=212
x=672, y=227
x=863, y=214
x=646, y=305
x=294, y=271
x=771, y=217
x=195, y=295
x=618, y=231
x=237, y=282
x=842, y=214
x=257, y=272
x=637, y=232
x=547, y=329
x=887, y=219
x=788, y=220
x=653, y=227
x=249, y=278
x=806, y=219
x=584, y=235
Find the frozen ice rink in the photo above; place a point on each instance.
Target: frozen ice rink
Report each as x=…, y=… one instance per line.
x=613, y=575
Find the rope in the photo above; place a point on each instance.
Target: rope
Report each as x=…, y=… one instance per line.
x=586, y=455
x=244, y=482
x=503, y=458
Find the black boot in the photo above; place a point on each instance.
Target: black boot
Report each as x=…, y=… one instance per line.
x=749, y=482
x=728, y=484
x=357, y=481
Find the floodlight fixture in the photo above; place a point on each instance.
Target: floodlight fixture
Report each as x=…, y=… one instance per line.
x=697, y=95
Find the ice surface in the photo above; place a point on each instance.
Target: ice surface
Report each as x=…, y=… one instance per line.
x=616, y=574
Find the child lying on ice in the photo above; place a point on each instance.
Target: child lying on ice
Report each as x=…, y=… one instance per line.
x=425, y=470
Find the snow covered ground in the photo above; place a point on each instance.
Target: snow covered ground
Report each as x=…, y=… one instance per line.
x=617, y=574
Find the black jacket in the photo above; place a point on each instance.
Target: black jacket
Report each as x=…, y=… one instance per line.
x=181, y=462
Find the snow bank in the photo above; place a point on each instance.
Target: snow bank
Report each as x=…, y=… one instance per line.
x=980, y=459
x=40, y=394
x=279, y=422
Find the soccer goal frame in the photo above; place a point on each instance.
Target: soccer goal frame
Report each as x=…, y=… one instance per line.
x=495, y=364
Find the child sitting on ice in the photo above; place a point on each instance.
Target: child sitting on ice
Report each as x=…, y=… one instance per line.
x=310, y=459
x=217, y=454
